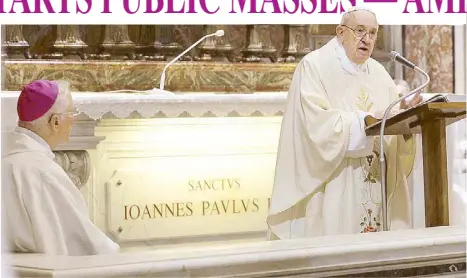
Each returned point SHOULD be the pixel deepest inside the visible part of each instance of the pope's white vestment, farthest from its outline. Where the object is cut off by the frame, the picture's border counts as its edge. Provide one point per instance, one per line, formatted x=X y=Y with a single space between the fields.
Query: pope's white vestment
x=44 y=211
x=327 y=179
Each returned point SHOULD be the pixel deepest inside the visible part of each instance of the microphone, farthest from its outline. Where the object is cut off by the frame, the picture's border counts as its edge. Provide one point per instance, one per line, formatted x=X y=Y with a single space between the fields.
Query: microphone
x=396 y=57
x=218 y=33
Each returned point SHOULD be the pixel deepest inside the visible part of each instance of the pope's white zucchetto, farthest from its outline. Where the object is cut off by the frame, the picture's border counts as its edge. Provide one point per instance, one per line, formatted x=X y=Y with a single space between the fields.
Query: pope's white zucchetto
x=356 y=9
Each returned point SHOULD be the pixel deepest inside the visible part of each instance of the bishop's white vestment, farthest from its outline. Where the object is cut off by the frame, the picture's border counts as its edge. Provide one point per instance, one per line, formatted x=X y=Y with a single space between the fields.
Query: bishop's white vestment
x=43 y=211
x=327 y=179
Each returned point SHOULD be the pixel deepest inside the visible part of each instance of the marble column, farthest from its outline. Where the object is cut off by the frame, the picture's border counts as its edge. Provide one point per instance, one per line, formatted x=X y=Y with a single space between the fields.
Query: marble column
x=431 y=48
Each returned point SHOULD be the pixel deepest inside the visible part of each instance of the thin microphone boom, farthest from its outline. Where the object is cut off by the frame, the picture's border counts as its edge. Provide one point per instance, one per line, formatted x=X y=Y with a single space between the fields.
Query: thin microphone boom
x=218 y=33
x=396 y=57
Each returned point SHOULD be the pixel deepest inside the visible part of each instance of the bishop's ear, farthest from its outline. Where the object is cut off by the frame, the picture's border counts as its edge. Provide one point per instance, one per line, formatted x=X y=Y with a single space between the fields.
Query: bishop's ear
x=55 y=122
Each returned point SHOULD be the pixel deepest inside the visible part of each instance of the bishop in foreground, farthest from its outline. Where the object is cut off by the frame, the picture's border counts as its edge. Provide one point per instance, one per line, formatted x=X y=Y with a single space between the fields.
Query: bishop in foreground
x=327 y=179
x=43 y=211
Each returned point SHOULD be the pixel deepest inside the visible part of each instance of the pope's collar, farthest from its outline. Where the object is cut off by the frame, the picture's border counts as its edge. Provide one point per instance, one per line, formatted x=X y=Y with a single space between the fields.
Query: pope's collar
x=347 y=64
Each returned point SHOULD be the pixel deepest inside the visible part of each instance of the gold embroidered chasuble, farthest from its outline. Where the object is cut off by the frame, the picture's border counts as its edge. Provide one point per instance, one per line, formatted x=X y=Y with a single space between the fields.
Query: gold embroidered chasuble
x=319 y=188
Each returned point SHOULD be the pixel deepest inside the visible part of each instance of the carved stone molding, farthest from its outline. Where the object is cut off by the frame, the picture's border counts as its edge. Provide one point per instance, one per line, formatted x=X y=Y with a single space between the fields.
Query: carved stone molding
x=150 y=46
x=215 y=48
x=253 y=49
x=259 y=44
x=14 y=45
x=165 y=34
x=116 y=43
x=223 y=44
x=67 y=43
x=208 y=47
x=77 y=164
x=268 y=49
x=296 y=43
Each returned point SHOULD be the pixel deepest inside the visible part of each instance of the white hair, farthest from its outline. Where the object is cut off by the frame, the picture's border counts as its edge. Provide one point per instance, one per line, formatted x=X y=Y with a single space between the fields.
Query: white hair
x=349 y=12
x=60 y=106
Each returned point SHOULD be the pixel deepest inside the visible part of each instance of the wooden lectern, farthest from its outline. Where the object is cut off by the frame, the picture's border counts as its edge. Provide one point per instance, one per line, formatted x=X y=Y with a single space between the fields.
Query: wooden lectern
x=430 y=119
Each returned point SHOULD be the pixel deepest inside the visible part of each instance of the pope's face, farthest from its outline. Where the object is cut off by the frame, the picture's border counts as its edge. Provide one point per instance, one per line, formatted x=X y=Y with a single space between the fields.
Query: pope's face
x=358 y=36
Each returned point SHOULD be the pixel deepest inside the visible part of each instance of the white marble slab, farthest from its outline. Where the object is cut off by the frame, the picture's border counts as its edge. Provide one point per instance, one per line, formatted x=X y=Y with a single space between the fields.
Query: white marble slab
x=319 y=257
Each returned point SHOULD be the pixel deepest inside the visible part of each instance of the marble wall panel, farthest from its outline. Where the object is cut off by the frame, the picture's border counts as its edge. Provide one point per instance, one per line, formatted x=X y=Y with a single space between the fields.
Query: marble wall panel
x=431 y=48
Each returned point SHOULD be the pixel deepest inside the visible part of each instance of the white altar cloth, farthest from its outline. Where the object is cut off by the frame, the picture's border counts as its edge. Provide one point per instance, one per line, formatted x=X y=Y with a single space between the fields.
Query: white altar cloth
x=122 y=105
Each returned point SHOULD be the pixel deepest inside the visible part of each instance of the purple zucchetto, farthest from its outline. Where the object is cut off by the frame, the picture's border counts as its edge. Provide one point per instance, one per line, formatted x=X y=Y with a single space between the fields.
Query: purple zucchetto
x=36 y=99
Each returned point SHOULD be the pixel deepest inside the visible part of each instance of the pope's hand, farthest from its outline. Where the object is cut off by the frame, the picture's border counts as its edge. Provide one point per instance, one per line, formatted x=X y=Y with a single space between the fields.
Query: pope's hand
x=412 y=101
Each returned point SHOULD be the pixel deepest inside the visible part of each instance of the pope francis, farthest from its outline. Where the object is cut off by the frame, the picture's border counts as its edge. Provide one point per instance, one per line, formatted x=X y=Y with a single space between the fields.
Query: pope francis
x=43 y=211
x=327 y=179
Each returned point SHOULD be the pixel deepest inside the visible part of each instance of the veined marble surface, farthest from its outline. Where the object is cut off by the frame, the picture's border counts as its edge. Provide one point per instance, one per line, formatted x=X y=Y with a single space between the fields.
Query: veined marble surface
x=431 y=48
x=315 y=257
x=101 y=76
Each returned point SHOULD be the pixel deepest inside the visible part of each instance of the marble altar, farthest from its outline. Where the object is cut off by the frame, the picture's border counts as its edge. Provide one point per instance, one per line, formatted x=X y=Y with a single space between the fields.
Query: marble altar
x=158 y=168
x=438 y=251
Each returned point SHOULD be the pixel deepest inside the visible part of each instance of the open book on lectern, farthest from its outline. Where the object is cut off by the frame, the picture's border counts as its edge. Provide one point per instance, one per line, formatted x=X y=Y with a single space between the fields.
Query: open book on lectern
x=426 y=98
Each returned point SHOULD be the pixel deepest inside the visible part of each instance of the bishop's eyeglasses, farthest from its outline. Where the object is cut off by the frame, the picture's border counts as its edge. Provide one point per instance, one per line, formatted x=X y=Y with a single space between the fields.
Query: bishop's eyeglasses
x=73 y=114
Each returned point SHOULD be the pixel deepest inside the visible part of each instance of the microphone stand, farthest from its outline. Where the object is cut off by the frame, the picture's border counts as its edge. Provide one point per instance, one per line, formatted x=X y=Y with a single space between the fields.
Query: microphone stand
x=382 y=156
x=218 y=33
